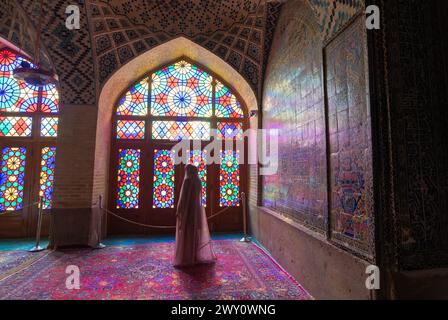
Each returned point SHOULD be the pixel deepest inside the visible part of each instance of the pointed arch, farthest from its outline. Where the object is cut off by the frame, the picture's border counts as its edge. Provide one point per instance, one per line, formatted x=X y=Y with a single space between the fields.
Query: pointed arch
x=136 y=69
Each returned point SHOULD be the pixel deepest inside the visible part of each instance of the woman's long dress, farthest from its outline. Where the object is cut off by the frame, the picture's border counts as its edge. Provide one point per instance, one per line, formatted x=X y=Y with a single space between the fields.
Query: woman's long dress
x=193 y=243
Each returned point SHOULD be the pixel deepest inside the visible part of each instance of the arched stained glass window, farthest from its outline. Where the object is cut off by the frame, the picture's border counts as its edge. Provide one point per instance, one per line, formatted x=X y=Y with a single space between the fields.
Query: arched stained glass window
x=135 y=101
x=227 y=104
x=181 y=90
x=179 y=102
x=28 y=129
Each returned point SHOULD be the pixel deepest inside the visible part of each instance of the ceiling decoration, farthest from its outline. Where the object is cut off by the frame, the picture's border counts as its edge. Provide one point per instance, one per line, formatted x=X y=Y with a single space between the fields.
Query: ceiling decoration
x=115 y=31
x=238 y=31
x=190 y=18
x=17 y=29
x=70 y=51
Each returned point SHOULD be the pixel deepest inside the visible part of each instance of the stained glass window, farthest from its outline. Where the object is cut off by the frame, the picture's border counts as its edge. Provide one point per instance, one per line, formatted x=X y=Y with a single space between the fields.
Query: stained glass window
x=47 y=165
x=9 y=61
x=180 y=130
x=181 y=90
x=50 y=99
x=12 y=178
x=135 y=101
x=199 y=159
x=49 y=127
x=229 y=179
x=134 y=130
x=15 y=96
x=181 y=102
x=230 y=130
x=227 y=104
x=128 y=179
x=163 y=185
x=16 y=126
x=19 y=97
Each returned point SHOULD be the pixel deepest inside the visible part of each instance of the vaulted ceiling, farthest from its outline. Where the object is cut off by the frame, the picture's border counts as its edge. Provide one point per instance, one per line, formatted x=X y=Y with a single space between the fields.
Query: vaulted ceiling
x=115 y=31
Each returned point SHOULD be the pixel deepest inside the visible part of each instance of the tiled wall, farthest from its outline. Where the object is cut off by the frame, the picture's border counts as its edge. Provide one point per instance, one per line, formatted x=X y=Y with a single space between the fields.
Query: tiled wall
x=294 y=104
x=350 y=140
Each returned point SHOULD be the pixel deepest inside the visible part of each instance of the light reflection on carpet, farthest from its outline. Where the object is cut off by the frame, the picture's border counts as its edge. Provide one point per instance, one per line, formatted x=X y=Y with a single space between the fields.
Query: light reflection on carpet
x=145 y=271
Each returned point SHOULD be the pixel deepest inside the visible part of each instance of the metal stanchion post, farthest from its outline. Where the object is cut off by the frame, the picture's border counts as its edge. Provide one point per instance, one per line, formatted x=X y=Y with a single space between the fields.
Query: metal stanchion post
x=246 y=237
x=100 y=207
x=37 y=247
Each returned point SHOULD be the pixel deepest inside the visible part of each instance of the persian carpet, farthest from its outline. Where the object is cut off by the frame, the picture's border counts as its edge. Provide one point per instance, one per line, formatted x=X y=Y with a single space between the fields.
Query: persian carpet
x=13 y=261
x=144 y=271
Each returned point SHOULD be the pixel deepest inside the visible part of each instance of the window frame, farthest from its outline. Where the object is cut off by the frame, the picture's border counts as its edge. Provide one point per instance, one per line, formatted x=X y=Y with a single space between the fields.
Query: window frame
x=147 y=145
x=34 y=145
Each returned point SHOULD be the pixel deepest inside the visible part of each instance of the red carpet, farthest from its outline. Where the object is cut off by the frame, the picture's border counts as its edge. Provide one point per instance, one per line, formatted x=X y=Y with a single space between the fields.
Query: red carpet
x=243 y=272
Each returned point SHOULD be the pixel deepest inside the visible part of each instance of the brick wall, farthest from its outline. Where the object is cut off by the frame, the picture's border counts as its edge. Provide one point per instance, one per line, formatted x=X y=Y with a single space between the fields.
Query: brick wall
x=75 y=156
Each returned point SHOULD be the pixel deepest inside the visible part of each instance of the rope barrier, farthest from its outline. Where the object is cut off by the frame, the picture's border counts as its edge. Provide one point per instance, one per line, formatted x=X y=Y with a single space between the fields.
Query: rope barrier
x=153 y=226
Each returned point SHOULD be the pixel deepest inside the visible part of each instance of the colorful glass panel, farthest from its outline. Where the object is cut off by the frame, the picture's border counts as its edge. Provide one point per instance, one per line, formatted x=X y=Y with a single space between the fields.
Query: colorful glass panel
x=128 y=179
x=16 y=126
x=9 y=61
x=47 y=166
x=134 y=130
x=12 y=178
x=181 y=90
x=229 y=179
x=230 y=131
x=17 y=96
x=180 y=130
x=49 y=127
x=50 y=99
x=135 y=101
x=199 y=159
x=227 y=104
x=163 y=184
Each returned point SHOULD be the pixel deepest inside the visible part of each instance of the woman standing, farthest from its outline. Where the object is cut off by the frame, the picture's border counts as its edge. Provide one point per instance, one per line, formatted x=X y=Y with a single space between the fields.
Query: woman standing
x=193 y=243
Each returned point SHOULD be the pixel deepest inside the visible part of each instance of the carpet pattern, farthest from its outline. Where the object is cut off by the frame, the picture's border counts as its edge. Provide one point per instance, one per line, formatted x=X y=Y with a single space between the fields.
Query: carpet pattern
x=14 y=261
x=144 y=271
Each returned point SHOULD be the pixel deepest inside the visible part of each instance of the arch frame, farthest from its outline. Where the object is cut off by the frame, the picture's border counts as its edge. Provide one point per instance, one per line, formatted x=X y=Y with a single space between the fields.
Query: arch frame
x=142 y=67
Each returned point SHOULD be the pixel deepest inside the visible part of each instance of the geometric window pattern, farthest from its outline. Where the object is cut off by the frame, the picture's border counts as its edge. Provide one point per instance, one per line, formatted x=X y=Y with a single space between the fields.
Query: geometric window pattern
x=181 y=90
x=49 y=127
x=229 y=179
x=128 y=129
x=47 y=166
x=17 y=97
x=135 y=101
x=16 y=126
x=180 y=130
x=50 y=99
x=163 y=185
x=227 y=105
x=128 y=179
x=230 y=131
x=178 y=103
x=198 y=159
x=12 y=178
